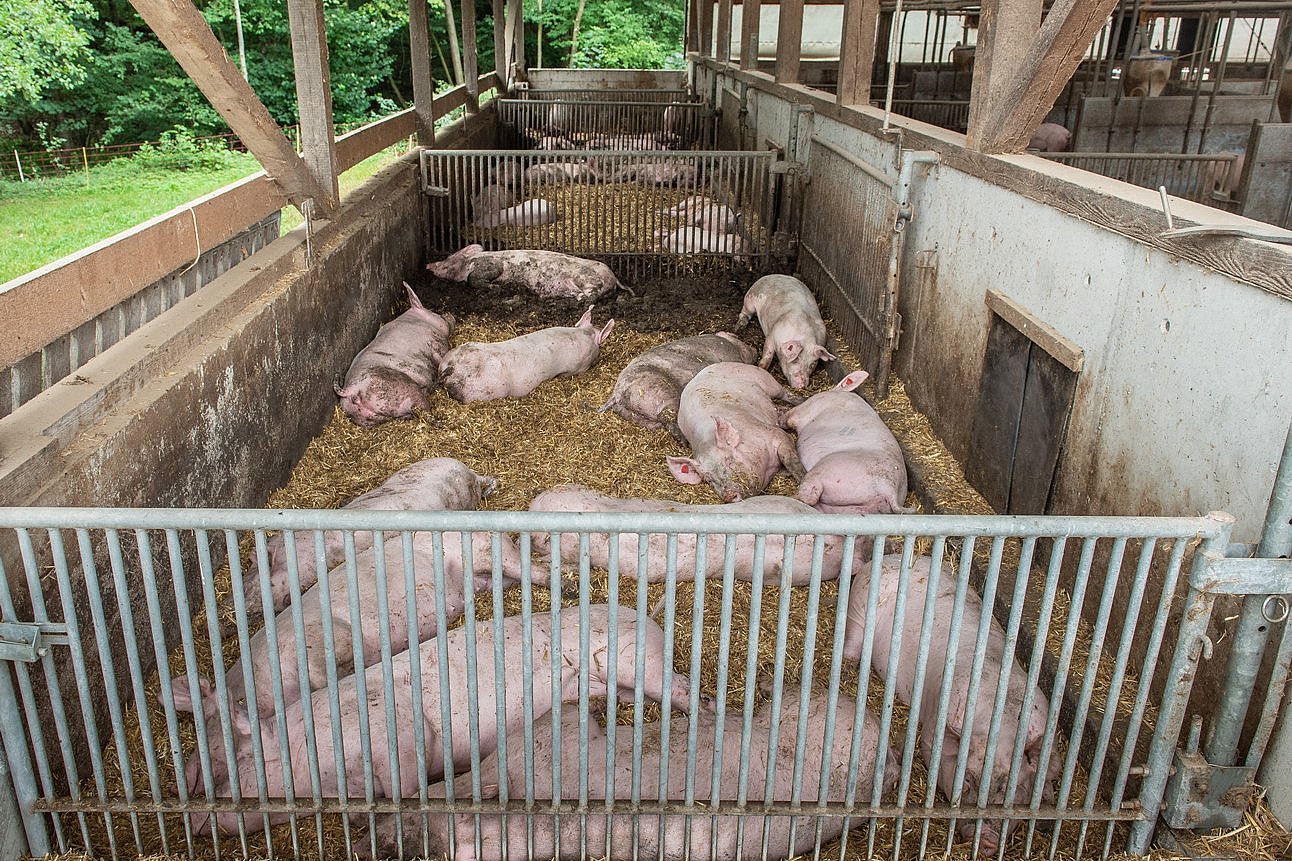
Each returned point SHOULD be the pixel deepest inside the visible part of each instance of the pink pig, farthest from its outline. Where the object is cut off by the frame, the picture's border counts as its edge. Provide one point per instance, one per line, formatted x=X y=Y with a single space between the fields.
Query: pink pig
x=513 y=368
x=529 y=213
x=959 y=708
x=792 y=326
x=726 y=414
x=390 y=377
x=696 y=240
x=854 y=463
x=547 y=274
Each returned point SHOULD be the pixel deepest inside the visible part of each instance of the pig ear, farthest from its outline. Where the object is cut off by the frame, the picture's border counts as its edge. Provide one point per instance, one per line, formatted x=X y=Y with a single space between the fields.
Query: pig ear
x=727 y=433
x=471 y=250
x=824 y=354
x=605 y=332
x=487 y=484
x=852 y=381
x=792 y=348
x=684 y=469
x=586 y=319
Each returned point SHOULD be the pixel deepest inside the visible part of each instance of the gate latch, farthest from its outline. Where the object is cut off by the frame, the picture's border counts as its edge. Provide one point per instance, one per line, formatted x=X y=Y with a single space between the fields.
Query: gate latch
x=28 y=643
x=1202 y=795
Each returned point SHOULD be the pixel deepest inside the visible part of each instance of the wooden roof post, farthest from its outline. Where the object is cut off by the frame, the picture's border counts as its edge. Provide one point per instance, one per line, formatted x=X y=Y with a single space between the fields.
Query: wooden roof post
x=751 y=13
x=419 y=49
x=500 y=44
x=470 y=56
x=789 y=41
x=314 y=94
x=857 y=51
x=706 y=28
x=185 y=33
x=516 y=26
x=1006 y=29
x=722 y=41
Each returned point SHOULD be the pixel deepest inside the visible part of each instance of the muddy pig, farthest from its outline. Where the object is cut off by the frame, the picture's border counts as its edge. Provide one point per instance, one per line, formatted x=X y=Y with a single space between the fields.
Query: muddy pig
x=528 y=213
x=1050 y=137
x=476 y=371
x=560 y=171
x=434 y=484
x=959 y=710
x=792 y=326
x=577 y=497
x=727 y=415
x=657 y=173
x=854 y=464
x=401 y=736
x=452 y=596
x=648 y=389
x=390 y=377
x=547 y=274
x=678 y=836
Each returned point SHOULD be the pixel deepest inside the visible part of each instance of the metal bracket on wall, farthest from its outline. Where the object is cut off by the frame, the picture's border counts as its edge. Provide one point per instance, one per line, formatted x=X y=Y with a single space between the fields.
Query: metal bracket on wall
x=27 y=643
x=1202 y=795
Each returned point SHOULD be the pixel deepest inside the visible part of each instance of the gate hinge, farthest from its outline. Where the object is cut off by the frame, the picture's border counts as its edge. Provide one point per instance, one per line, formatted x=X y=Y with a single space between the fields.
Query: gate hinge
x=1225 y=576
x=1202 y=795
x=28 y=643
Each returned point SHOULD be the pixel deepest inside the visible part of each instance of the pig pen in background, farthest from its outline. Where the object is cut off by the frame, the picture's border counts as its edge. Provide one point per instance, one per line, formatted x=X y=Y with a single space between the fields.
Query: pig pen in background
x=742 y=645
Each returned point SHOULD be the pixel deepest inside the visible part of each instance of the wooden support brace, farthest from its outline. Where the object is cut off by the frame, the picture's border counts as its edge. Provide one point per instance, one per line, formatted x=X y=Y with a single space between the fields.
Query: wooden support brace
x=722 y=41
x=314 y=94
x=185 y=33
x=419 y=49
x=1027 y=96
x=857 y=51
x=750 y=17
x=1005 y=32
x=470 y=55
x=789 y=41
x=500 y=43
x=706 y=27
x=516 y=27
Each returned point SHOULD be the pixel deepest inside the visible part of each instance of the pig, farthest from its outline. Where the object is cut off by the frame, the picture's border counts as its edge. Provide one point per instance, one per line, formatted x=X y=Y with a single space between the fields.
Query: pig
x=491 y=199
x=624 y=143
x=551 y=142
x=513 y=368
x=657 y=173
x=401 y=736
x=1031 y=725
x=434 y=484
x=648 y=389
x=854 y=463
x=529 y=213
x=727 y=415
x=390 y=377
x=336 y=604
x=548 y=274
x=672 y=837
x=577 y=497
x=1050 y=137
x=560 y=171
x=696 y=240
x=508 y=173
x=704 y=212
x=792 y=326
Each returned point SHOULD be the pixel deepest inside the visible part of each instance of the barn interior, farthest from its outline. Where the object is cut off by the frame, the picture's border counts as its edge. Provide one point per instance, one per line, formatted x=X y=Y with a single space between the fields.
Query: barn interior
x=1037 y=327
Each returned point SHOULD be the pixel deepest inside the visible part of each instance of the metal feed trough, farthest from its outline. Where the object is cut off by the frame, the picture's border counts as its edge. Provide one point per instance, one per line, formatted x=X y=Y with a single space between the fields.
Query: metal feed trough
x=531 y=123
x=613 y=206
x=102 y=758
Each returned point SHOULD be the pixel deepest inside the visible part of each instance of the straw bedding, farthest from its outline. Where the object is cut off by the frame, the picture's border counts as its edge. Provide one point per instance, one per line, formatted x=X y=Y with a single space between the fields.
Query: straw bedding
x=555 y=435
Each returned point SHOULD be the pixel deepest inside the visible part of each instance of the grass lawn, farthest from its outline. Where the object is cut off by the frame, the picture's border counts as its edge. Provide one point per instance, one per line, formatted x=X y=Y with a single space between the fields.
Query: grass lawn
x=46 y=219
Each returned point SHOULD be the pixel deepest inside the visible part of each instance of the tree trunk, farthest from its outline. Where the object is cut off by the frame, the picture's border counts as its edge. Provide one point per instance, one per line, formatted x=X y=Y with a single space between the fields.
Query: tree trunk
x=574 y=35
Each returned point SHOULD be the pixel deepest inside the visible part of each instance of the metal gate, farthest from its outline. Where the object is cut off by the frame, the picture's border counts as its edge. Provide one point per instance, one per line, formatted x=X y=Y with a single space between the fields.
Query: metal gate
x=761 y=676
x=858 y=276
x=628 y=209
x=1204 y=178
x=604 y=124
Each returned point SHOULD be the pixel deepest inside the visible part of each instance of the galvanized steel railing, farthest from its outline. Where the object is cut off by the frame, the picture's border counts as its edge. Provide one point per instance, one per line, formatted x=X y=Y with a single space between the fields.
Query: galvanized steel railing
x=102 y=756
x=1196 y=177
x=583 y=123
x=602 y=94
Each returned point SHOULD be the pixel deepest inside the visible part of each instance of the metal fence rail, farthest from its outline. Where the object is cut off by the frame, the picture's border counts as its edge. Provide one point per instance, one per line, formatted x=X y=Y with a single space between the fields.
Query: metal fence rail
x=604 y=124
x=761 y=676
x=1190 y=176
x=601 y=94
x=619 y=207
x=948 y=113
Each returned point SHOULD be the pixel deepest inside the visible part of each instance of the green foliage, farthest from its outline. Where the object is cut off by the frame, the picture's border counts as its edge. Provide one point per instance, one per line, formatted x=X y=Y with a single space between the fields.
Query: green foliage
x=613 y=34
x=178 y=149
x=42 y=44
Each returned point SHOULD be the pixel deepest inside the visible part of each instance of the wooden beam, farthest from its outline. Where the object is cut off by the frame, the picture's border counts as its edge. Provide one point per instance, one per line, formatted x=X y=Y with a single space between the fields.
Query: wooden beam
x=706 y=27
x=722 y=41
x=353 y=147
x=750 y=17
x=314 y=96
x=500 y=41
x=185 y=33
x=470 y=56
x=857 y=51
x=1055 y=53
x=1005 y=32
x=419 y=49
x=789 y=41
x=516 y=37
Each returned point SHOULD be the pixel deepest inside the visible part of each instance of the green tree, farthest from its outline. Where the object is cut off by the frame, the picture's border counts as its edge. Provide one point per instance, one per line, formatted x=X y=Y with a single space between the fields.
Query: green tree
x=617 y=34
x=42 y=44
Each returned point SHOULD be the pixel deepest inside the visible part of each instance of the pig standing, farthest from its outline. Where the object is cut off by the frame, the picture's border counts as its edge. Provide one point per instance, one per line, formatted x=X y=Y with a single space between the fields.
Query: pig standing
x=648 y=389
x=613 y=835
x=657 y=173
x=434 y=484
x=727 y=415
x=548 y=274
x=1050 y=137
x=513 y=368
x=792 y=326
x=696 y=240
x=854 y=464
x=390 y=377
x=560 y=171
x=492 y=691
x=529 y=213
x=491 y=199
x=941 y=651
x=395 y=621
x=577 y=497
x=704 y=212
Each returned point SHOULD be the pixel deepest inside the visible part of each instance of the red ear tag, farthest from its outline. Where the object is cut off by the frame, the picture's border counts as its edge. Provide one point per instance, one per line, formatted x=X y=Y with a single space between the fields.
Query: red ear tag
x=686 y=468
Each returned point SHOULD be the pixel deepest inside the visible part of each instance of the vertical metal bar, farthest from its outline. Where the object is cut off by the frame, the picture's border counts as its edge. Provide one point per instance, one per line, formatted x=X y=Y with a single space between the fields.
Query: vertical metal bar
x=360 y=677
x=612 y=689
x=413 y=617
x=778 y=681
x=697 y=627
x=499 y=668
x=446 y=700
x=388 y=684
x=751 y=676
x=724 y=653
x=527 y=671
x=554 y=679
x=1179 y=682
x=585 y=669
